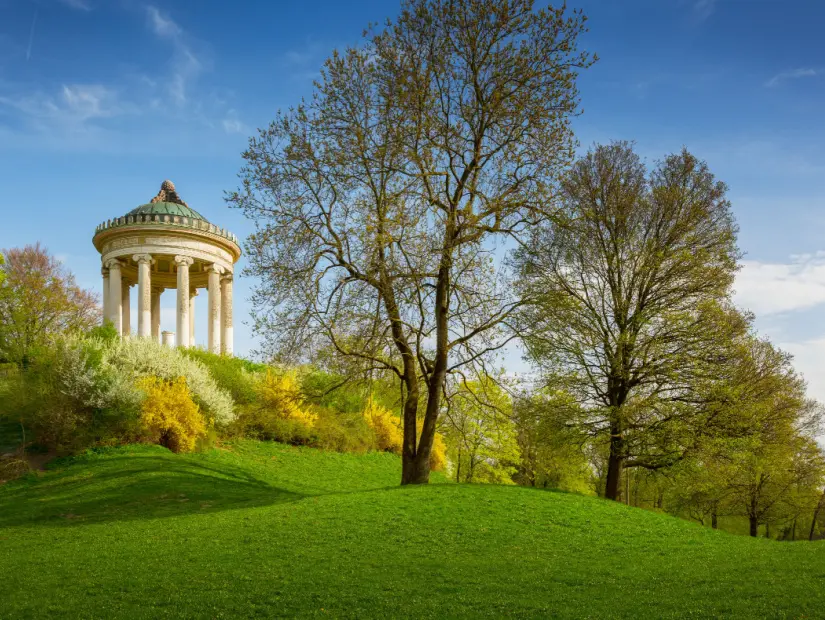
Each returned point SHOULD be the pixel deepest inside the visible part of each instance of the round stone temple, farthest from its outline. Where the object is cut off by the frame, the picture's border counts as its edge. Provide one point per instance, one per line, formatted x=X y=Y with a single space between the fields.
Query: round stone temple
x=165 y=244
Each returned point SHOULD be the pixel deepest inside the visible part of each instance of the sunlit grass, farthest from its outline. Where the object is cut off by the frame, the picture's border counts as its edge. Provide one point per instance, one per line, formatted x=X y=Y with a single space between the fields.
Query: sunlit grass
x=265 y=530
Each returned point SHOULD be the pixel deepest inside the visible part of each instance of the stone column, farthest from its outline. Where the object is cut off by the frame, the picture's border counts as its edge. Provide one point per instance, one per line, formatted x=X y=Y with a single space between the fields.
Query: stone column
x=214 y=307
x=226 y=315
x=144 y=309
x=168 y=339
x=105 y=273
x=156 y=293
x=115 y=295
x=182 y=323
x=126 y=308
x=192 y=294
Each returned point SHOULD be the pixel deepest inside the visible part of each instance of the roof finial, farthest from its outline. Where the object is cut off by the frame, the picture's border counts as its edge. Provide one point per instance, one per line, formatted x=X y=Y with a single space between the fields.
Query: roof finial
x=167 y=193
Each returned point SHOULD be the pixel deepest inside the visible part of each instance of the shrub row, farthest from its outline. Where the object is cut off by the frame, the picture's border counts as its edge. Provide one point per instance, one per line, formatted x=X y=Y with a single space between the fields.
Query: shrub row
x=97 y=390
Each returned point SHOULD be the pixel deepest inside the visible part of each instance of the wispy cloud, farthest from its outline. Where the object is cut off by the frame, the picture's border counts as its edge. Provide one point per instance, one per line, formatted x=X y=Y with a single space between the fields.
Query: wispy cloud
x=793 y=74
x=31 y=37
x=704 y=8
x=304 y=63
x=121 y=115
x=186 y=66
x=77 y=5
x=232 y=124
x=73 y=105
x=162 y=25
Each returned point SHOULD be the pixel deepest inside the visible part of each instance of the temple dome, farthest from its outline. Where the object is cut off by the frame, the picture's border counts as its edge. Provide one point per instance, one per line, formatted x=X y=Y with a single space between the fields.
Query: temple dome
x=167 y=208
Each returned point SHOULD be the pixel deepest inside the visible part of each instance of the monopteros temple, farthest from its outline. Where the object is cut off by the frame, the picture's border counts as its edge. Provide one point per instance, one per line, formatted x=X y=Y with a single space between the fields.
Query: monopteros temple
x=162 y=245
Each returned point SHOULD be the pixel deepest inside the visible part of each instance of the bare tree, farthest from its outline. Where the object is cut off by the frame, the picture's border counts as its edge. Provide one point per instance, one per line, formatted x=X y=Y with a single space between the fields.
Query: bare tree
x=378 y=202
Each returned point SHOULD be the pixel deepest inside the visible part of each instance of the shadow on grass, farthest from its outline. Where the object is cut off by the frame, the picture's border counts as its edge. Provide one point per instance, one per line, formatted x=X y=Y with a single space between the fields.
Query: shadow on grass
x=124 y=488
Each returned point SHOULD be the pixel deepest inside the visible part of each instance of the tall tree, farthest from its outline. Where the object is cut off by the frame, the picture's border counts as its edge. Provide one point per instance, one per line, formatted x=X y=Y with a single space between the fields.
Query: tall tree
x=632 y=283
x=39 y=297
x=378 y=202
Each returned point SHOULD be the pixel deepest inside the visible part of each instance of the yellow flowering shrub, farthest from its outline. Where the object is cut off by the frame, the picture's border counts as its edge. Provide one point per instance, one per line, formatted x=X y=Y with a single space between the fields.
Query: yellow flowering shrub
x=278 y=412
x=387 y=428
x=389 y=434
x=279 y=395
x=438 y=455
x=168 y=415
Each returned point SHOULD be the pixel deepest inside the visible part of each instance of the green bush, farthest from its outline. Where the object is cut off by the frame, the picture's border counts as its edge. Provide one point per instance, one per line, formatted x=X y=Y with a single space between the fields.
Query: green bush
x=69 y=397
x=233 y=374
x=343 y=432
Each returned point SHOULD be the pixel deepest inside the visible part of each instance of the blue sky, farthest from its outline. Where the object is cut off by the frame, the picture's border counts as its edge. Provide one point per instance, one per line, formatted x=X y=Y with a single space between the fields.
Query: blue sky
x=100 y=100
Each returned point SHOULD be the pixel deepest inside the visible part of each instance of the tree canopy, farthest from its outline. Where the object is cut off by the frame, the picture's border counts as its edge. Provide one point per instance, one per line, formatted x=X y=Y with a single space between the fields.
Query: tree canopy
x=39 y=298
x=378 y=202
x=631 y=283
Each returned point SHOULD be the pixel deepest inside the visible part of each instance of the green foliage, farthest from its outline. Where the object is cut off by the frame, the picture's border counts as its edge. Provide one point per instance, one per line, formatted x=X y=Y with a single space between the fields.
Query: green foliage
x=106 y=332
x=551 y=452
x=633 y=309
x=480 y=433
x=80 y=391
x=279 y=531
x=39 y=299
x=232 y=374
x=70 y=397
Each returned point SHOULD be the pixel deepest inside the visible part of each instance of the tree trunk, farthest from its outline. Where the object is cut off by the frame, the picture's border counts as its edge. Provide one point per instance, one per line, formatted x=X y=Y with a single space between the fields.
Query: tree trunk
x=754 y=526
x=419 y=471
x=819 y=505
x=458 y=467
x=714 y=520
x=614 y=463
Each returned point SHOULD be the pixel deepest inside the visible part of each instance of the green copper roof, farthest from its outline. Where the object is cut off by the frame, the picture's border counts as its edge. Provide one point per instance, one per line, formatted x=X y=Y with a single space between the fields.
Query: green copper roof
x=167 y=208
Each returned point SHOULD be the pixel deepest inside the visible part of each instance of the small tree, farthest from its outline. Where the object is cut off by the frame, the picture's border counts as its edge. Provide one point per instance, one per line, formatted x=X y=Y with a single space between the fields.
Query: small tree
x=39 y=298
x=379 y=201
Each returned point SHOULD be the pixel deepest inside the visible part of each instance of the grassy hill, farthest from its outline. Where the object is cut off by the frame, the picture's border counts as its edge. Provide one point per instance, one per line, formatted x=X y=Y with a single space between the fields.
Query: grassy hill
x=266 y=530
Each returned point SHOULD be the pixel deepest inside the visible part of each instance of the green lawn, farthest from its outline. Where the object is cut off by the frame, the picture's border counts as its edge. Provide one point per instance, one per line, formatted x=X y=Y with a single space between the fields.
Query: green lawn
x=265 y=530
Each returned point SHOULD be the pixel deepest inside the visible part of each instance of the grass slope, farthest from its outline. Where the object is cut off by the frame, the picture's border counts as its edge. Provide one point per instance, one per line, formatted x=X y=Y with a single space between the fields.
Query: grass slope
x=265 y=530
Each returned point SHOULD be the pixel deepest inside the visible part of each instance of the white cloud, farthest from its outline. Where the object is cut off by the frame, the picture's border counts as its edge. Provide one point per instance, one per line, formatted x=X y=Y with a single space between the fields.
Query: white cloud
x=793 y=74
x=775 y=288
x=808 y=358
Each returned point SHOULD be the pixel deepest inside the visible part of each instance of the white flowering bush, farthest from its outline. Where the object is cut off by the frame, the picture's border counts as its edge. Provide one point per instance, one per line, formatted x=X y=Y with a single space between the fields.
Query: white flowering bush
x=142 y=357
x=83 y=374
